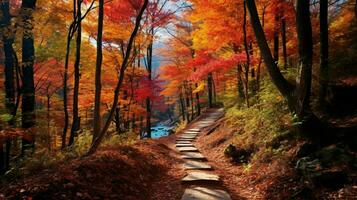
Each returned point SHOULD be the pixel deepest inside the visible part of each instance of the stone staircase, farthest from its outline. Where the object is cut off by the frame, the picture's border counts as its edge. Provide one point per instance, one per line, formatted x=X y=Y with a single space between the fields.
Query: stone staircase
x=199 y=172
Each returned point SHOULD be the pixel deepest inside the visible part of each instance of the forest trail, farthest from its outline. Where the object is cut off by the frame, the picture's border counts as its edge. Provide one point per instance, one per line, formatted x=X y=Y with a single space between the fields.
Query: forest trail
x=201 y=181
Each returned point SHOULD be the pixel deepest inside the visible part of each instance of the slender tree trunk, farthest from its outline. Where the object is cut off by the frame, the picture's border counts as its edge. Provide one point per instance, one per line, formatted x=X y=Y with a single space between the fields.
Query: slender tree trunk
x=247 y=65
x=276 y=36
x=192 y=106
x=187 y=103
x=10 y=63
x=198 y=105
x=149 y=70
x=261 y=57
x=75 y=119
x=304 y=30
x=2 y=157
x=123 y=67
x=117 y=119
x=214 y=91
x=70 y=34
x=98 y=71
x=9 y=52
x=283 y=41
x=28 y=58
x=210 y=90
x=182 y=105
x=48 y=118
x=240 y=86
x=284 y=87
x=323 y=52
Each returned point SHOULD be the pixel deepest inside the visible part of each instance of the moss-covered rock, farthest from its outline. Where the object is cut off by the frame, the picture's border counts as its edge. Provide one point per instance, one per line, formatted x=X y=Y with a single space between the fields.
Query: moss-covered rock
x=238 y=155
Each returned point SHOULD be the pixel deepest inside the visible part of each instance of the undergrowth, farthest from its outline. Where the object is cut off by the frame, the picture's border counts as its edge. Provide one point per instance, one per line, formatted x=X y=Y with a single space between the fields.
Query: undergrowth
x=260 y=125
x=45 y=158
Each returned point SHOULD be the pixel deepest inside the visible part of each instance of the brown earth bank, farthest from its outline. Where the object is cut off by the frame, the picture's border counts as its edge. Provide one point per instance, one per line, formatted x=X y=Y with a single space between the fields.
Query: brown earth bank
x=146 y=170
x=267 y=176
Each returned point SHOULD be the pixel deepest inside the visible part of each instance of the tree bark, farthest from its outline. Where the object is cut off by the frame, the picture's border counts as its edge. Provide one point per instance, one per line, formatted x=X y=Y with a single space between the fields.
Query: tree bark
x=210 y=90
x=70 y=34
x=247 y=65
x=182 y=105
x=276 y=36
x=8 y=39
x=28 y=58
x=75 y=119
x=10 y=64
x=149 y=71
x=283 y=41
x=304 y=31
x=98 y=71
x=323 y=52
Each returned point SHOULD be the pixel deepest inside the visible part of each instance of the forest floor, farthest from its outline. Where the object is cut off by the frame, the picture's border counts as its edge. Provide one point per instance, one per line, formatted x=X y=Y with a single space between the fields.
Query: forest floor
x=152 y=170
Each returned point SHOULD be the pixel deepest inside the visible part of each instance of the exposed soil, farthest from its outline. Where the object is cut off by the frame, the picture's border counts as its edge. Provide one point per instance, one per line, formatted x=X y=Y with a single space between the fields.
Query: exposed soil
x=146 y=170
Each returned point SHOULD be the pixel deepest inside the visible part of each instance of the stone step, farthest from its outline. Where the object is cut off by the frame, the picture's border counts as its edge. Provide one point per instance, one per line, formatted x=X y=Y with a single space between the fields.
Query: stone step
x=183 y=142
x=201 y=193
x=187 y=149
x=200 y=177
x=193 y=156
x=185 y=139
x=196 y=165
x=191 y=132
x=194 y=129
x=184 y=145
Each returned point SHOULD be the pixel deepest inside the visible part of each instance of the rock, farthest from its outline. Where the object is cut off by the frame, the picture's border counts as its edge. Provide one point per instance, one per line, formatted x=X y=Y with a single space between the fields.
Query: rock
x=201 y=193
x=330 y=179
x=183 y=142
x=237 y=155
x=306 y=149
x=193 y=155
x=311 y=170
x=333 y=155
x=187 y=149
x=190 y=164
x=184 y=145
x=200 y=176
x=194 y=129
x=304 y=193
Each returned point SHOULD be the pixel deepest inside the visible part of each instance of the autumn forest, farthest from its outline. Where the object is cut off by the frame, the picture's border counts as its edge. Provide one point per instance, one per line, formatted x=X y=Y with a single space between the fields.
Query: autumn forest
x=178 y=99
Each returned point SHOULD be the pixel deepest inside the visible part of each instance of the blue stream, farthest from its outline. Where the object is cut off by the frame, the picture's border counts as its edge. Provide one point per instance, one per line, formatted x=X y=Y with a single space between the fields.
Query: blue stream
x=160 y=130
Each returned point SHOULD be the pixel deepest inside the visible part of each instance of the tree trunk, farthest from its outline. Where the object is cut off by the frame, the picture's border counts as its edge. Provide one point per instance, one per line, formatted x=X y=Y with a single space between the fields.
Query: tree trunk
x=192 y=106
x=210 y=90
x=117 y=119
x=70 y=35
x=182 y=105
x=284 y=87
x=198 y=105
x=247 y=65
x=276 y=36
x=98 y=71
x=149 y=70
x=283 y=41
x=323 y=52
x=75 y=119
x=304 y=31
x=28 y=58
x=9 y=52
x=10 y=63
